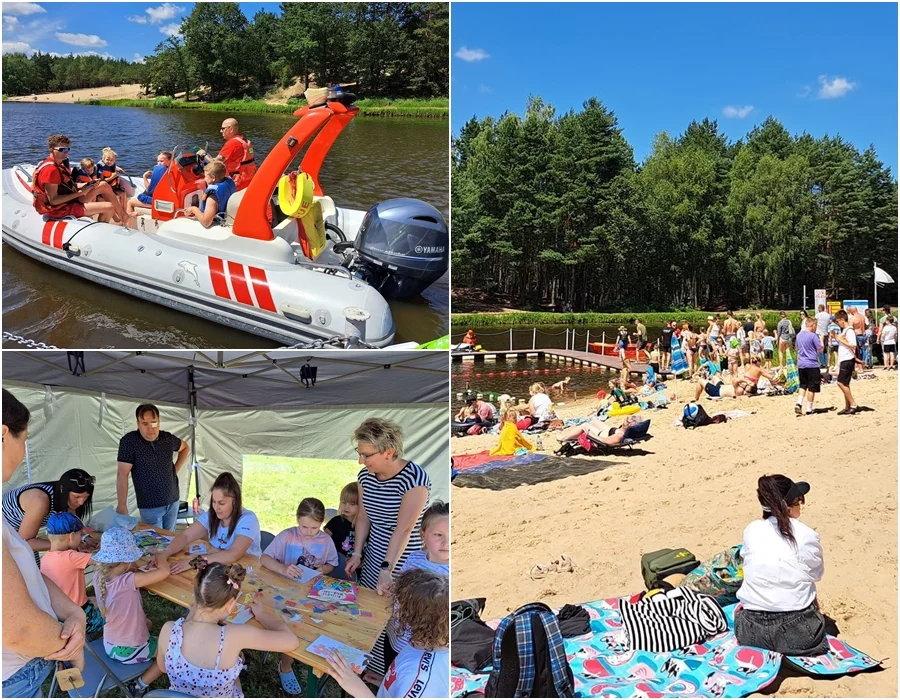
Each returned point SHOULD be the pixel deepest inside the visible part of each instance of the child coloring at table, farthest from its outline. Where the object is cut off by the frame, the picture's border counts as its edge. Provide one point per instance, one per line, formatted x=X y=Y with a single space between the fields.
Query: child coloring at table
x=117 y=583
x=434 y=556
x=304 y=545
x=65 y=565
x=422 y=669
x=201 y=655
x=342 y=528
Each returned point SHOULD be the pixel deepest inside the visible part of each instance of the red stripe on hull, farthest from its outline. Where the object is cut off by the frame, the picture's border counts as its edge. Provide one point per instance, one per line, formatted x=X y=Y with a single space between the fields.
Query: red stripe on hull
x=261 y=288
x=239 y=283
x=217 y=274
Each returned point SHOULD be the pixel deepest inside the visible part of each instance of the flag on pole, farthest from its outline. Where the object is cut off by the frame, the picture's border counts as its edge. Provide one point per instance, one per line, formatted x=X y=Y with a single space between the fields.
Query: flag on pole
x=882 y=277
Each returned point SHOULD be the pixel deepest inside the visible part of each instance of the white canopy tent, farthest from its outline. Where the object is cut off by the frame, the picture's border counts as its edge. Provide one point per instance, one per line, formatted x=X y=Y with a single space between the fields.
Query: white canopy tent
x=225 y=405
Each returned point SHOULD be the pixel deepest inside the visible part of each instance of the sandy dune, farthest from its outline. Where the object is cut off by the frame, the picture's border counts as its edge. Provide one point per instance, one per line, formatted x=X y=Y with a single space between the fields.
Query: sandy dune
x=696 y=489
x=112 y=92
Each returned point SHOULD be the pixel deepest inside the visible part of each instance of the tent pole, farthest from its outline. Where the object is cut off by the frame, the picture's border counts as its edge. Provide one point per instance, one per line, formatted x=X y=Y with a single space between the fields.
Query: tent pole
x=192 y=390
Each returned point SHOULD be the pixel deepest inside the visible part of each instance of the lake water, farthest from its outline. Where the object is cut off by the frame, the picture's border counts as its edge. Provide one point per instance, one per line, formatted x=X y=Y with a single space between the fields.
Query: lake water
x=374 y=159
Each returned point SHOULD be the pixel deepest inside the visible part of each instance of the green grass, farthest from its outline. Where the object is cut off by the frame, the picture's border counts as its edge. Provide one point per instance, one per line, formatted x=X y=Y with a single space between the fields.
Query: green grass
x=435 y=108
x=273 y=486
x=539 y=318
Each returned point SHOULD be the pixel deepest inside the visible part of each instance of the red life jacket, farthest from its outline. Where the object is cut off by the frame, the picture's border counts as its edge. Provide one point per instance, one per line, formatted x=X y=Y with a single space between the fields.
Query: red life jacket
x=41 y=201
x=247 y=168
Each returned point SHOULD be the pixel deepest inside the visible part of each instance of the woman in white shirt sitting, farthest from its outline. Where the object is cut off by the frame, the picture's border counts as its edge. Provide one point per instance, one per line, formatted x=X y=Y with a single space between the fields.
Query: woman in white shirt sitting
x=782 y=562
x=538 y=409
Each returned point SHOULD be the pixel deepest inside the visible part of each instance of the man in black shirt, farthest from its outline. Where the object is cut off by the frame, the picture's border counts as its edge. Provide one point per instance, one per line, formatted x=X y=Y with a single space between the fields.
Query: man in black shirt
x=665 y=345
x=146 y=454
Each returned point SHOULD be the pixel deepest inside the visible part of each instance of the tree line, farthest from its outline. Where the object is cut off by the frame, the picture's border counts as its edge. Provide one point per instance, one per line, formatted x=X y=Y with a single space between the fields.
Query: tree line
x=43 y=72
x=390 y=49
x=553 y=210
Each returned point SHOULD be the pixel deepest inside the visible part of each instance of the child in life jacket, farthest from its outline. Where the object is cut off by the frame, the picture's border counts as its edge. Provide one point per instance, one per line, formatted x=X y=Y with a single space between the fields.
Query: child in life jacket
x=219 y=188
x=152 y=178
x=109 y=171
x=85 y=171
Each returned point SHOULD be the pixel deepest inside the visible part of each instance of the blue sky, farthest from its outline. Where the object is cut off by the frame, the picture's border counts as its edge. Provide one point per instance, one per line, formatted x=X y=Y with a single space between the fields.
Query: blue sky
x=822 y=68
x=128 y=30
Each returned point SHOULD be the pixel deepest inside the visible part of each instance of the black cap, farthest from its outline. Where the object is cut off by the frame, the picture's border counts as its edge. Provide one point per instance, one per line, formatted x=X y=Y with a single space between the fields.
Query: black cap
x=796 y=490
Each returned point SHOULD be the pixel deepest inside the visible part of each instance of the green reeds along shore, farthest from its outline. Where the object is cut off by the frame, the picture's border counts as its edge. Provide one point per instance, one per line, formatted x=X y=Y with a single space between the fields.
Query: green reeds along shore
x=432 y=108
x=655 y=318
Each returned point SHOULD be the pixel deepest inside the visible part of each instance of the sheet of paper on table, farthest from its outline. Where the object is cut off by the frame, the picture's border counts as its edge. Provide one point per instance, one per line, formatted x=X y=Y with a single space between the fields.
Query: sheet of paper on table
x=150 y=539
x=355 y=657
x=197 y=548
x=307 y=574
x=240 y=616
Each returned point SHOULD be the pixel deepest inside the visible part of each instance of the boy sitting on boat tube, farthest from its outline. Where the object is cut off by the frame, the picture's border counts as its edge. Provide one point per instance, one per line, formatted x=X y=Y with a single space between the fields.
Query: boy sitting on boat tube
x=219 y=189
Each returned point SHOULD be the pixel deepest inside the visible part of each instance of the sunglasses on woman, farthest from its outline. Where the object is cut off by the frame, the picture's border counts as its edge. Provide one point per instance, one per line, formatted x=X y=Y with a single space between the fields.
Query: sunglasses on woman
x=81 y=481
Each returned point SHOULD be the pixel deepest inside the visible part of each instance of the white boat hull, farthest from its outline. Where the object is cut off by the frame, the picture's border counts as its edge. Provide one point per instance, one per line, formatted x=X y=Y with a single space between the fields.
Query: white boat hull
x=262 y=287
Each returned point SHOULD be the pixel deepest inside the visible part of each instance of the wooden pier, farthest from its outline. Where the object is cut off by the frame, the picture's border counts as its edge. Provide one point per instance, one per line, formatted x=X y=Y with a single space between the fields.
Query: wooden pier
x=568 y=357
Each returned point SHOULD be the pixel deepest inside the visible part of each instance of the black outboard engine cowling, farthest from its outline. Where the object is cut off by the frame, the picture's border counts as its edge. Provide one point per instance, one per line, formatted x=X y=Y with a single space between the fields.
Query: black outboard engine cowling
x=402 y=247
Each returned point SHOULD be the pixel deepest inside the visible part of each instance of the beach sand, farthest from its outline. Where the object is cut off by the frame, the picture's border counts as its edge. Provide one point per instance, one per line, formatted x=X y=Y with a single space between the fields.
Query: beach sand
x=112 y=92
x=696 y=489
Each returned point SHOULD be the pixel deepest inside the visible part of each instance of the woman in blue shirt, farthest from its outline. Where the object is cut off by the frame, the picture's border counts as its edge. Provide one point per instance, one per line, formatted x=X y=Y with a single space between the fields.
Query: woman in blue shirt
x=232 y=530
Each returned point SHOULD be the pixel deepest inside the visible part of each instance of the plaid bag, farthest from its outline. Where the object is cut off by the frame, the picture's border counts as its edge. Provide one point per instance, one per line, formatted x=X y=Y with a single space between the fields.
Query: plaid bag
x=719 y=577
x=529 y=659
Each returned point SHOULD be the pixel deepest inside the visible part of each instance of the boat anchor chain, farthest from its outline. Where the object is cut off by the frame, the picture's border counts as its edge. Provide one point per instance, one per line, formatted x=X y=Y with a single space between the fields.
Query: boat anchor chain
x=344 y=342
x=28 y=342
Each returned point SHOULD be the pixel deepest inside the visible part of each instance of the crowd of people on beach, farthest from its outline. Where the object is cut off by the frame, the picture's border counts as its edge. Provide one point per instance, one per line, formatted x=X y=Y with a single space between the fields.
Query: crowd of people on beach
x=384 y=536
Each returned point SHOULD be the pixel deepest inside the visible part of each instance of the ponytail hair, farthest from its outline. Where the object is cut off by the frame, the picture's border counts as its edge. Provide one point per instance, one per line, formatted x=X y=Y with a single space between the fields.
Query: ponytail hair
x=771 y=491
x=216 y=584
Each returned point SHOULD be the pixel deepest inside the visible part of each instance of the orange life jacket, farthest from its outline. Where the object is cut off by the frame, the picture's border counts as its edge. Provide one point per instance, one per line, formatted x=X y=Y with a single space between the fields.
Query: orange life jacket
x=41 y=200
x=247 y=168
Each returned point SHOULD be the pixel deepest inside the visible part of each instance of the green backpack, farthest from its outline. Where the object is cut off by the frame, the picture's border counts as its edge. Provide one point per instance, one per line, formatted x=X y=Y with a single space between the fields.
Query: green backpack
x=656 y=566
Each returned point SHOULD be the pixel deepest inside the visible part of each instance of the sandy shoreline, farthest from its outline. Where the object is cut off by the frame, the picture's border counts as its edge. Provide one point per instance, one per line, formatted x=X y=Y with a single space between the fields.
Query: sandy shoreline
x=112 y=92
x=696 y=489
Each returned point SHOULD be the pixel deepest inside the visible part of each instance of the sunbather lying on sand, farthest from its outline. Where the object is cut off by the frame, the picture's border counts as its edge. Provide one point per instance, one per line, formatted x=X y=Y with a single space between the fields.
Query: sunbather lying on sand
x=600 y=431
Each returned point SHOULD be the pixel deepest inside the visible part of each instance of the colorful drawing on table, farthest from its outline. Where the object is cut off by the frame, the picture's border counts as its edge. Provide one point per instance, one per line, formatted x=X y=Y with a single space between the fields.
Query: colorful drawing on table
x=240 y=616
x=197 y=548
x=149 y=566
x=366 y=613
x=279 y=598
x=290 y=615
x=291 y=603
x=355 y=657
x=151 y=540
x=248 y=598
x=306 y=574
x=333 y=590
x=317 y=620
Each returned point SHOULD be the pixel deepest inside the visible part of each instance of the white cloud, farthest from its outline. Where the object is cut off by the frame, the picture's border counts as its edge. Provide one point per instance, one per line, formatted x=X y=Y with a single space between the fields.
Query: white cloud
x=831 y=88
x=11 y=24
x=737 y=112
x=163 y=12
x=139 y=19
x=22 y=8
x=467 y=54
x=16 y=47
x=81 y=39
x=82 y=53
x=170 y=29
x=138 y=58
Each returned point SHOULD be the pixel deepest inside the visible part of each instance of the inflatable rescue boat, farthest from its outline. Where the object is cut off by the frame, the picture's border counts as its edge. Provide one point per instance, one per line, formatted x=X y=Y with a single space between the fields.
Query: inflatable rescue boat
x=284 y=262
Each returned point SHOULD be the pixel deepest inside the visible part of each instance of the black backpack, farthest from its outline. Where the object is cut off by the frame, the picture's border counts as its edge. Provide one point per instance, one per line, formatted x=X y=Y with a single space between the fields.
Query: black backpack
x=695 y=416
x=540 y=655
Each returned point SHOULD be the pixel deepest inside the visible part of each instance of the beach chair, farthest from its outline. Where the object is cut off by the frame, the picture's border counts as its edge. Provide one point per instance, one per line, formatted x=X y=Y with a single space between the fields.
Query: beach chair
x=634 y=435
x=265 y=539
x=101 y=673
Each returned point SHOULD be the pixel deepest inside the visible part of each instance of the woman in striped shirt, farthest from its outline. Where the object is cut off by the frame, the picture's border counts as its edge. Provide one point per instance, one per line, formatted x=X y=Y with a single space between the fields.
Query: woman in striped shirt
x=392 y=495
x=28 y=507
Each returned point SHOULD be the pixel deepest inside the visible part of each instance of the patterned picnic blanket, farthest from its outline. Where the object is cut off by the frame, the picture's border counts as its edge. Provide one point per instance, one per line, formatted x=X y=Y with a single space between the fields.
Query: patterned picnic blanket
x=481 y=462
x=604 y=667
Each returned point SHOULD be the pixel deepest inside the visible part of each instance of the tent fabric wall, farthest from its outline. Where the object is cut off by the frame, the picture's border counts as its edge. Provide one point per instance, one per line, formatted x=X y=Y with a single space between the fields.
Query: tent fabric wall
x=74 y=428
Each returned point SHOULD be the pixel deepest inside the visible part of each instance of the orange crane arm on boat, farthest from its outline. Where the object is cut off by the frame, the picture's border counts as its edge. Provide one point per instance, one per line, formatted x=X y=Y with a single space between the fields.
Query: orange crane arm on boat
x=323 y=122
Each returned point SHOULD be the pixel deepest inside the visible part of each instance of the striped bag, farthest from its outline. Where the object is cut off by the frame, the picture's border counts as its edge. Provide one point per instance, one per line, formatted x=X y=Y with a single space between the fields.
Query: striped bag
x=673 y=620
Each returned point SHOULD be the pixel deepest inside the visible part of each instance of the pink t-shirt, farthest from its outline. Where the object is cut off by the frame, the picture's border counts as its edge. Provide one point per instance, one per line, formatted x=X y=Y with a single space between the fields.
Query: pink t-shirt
x=290 y=547
x=125 y=620
x=66 y=570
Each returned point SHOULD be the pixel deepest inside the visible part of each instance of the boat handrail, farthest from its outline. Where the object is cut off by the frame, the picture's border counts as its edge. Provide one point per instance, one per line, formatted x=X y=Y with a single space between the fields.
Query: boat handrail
x=320 y=266
x=25 y=172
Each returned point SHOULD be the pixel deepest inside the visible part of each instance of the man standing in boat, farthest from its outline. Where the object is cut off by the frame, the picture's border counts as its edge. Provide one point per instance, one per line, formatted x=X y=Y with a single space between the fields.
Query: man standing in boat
x=57 y=195
x=237 y=154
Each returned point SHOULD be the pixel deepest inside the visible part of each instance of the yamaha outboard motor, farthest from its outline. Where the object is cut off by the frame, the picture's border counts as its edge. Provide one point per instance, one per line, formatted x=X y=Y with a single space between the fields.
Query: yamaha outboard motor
x=402 y=247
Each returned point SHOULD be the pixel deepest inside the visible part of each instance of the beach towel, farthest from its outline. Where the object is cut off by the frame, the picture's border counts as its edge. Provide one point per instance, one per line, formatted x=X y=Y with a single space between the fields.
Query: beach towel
x=510 y=441
x=603 y=665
